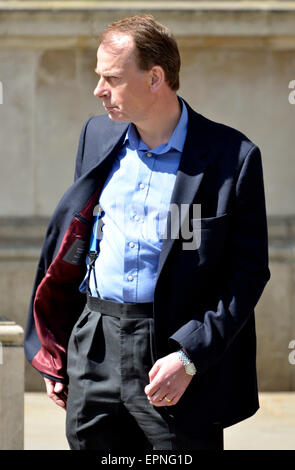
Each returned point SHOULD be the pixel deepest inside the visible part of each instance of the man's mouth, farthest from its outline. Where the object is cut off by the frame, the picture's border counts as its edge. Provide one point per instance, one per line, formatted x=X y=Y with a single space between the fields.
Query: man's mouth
x=109 y=108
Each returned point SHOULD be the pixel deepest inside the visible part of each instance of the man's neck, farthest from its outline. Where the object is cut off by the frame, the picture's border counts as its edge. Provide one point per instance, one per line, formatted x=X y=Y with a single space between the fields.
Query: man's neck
x=161 y=124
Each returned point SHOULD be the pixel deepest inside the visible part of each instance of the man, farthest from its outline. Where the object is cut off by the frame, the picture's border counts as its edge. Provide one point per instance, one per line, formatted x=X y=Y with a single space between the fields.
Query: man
x=163 y=355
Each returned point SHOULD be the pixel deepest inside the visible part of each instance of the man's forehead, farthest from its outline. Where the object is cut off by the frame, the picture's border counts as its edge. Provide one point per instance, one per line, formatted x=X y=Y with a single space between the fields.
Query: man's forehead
x=117 y=44
x=114 y=57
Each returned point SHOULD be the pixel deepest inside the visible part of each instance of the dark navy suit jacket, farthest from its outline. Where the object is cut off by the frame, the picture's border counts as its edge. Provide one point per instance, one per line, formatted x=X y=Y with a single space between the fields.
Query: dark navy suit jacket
x=204 y=298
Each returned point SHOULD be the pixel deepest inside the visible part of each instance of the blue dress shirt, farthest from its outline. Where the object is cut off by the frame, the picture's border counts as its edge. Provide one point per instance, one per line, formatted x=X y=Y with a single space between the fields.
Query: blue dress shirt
x=133 y=205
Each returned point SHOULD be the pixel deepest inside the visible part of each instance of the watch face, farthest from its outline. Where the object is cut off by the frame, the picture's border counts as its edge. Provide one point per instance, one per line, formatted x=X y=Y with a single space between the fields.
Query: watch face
x=190 y=369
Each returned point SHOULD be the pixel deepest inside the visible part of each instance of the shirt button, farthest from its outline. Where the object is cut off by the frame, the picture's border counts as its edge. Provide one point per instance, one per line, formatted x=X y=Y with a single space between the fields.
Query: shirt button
x=149 y=154
x=131 y=244
x=130 y=278
x=141 y=186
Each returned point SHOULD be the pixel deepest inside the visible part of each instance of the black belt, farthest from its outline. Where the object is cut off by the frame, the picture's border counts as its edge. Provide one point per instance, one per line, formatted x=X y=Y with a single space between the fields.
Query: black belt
x=120 y=309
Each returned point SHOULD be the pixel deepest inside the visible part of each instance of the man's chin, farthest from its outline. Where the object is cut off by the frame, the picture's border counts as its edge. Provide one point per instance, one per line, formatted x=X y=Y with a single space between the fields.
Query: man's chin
x=116 y=117
x=112 y=117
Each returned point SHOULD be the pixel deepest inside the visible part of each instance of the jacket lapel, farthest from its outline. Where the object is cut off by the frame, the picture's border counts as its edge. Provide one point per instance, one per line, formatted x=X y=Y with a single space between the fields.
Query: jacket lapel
x=104 y=155
x=193 y=163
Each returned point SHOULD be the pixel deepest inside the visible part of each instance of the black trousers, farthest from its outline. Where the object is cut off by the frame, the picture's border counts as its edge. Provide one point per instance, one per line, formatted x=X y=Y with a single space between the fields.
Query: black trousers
x=108 y=363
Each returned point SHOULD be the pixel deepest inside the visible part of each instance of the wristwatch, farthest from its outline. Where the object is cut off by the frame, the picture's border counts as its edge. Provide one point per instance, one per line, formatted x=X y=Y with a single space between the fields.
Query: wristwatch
x=187 y=362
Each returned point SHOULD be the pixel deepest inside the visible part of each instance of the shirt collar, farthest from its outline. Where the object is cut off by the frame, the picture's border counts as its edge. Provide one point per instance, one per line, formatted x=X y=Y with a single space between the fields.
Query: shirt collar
x=176 y=141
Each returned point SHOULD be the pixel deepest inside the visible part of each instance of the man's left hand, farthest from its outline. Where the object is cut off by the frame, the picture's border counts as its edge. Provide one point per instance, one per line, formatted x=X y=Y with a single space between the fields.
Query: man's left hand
x=168 y=381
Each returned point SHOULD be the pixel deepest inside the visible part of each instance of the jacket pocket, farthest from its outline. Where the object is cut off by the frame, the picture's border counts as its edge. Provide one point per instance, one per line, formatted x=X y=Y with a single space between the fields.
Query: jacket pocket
x=210 y=235
x=210 y=222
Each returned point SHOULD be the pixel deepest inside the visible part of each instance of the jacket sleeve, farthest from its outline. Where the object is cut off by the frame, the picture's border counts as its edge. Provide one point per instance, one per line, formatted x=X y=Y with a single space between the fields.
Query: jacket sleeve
x=239 y=291
x=32 y=342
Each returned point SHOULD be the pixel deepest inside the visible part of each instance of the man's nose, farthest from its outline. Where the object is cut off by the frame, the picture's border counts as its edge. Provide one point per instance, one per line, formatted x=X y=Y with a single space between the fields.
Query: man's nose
x=101 y=89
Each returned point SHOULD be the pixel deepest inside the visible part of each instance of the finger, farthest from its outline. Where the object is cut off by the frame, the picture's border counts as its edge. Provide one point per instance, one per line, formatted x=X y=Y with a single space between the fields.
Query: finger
x=153 y=388
x=49 y=387
x=62 y=397
x=60 y=402
x=158 y=395
x=55 y=391
x=162 y=398
x=167 y=399
x=172 y=401
x=154 y=400
x=154 y=370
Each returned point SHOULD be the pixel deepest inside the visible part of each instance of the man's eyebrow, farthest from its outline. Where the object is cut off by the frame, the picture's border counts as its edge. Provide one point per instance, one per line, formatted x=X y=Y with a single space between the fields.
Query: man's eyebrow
x=107 y=74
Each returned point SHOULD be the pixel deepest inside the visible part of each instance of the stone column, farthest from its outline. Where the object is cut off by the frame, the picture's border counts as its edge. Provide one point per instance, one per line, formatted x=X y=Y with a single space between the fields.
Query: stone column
x=11 y=386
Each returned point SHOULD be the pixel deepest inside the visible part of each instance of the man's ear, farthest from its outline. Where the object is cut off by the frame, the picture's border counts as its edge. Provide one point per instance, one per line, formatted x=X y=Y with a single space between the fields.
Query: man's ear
x=157 y=77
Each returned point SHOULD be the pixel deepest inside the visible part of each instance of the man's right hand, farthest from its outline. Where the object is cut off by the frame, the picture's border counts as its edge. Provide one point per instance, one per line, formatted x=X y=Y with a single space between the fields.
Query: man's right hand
x=57 y=391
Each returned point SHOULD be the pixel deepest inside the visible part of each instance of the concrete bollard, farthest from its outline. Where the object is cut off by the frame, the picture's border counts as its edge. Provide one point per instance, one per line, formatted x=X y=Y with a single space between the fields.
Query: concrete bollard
x=11 y=385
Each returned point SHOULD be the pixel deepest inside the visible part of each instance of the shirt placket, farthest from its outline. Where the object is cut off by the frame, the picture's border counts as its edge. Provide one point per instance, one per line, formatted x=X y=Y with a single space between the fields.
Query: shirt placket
x=135 y=226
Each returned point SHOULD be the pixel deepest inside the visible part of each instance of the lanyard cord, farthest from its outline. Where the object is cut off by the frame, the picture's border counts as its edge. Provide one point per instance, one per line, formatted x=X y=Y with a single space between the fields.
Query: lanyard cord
x=94 y=249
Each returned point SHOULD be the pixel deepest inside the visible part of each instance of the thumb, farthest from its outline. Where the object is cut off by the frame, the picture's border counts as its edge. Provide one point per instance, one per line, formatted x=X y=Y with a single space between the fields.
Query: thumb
x=58 y=387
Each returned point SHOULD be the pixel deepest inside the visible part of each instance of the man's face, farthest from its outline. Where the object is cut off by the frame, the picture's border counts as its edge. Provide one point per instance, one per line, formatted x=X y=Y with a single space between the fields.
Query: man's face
x=123 y=88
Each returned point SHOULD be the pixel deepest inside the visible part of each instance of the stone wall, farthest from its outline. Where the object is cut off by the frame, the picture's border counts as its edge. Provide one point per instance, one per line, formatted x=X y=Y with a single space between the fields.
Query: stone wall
x=237 y=63
x=11 y=385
